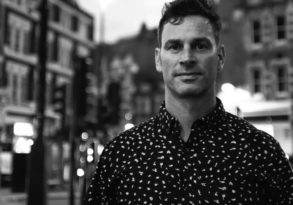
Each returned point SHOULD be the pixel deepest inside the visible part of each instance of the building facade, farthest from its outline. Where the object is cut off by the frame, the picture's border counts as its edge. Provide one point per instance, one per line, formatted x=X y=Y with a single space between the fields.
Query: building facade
x=268 y=40
x=70 y=36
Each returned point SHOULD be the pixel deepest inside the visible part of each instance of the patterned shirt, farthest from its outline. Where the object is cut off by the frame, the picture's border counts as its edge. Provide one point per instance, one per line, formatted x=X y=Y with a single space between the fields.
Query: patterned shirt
x=225 y=161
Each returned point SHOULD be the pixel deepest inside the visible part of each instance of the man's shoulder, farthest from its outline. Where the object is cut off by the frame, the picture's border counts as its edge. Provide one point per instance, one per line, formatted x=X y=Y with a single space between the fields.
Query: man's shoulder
x=140 y=129
x=134 y=135
x=238 y=123
x=249 y=132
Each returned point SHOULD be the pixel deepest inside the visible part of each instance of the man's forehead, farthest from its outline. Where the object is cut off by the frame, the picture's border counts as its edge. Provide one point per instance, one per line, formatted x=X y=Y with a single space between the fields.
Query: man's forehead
x=194 y=25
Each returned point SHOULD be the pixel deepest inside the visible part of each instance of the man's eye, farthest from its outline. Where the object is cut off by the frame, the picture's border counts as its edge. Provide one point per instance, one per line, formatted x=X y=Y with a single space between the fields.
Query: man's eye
x=202 y=46
x=175 y=46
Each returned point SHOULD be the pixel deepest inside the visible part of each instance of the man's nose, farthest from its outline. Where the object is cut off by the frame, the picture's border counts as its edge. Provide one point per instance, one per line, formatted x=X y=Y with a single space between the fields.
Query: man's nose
x=188 y=57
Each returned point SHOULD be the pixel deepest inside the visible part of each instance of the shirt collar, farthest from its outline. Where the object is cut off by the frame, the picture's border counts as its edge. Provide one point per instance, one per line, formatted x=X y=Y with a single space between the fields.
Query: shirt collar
x=168 y=122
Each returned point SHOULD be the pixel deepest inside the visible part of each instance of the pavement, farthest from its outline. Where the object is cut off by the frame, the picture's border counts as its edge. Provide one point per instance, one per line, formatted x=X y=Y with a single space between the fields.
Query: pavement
x=7 y=197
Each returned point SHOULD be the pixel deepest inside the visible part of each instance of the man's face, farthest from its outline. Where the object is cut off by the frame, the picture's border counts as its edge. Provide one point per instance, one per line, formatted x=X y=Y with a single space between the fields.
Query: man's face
x=189 y=58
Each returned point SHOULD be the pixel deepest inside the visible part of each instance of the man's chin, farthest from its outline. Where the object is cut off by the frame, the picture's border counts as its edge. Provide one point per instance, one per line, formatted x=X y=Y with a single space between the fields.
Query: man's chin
x=190 y=93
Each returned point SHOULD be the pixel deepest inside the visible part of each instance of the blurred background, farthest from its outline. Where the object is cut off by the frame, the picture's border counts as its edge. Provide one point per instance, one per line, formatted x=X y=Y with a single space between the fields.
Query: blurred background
x=99 y=78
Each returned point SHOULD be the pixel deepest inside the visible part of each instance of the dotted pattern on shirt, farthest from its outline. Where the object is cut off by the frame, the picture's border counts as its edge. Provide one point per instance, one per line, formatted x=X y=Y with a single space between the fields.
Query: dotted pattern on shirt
x=225 y=161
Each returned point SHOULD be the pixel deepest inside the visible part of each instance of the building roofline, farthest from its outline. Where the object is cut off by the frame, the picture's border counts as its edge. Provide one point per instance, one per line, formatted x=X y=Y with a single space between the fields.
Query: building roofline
x=75 y=5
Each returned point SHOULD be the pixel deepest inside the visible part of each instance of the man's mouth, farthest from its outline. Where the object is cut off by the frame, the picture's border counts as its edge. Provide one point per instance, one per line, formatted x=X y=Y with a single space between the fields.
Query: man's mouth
x=188 y=76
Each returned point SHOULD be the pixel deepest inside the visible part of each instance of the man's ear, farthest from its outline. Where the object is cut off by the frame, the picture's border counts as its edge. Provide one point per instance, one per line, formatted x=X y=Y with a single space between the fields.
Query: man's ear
x=158 y=60
x=222 y=56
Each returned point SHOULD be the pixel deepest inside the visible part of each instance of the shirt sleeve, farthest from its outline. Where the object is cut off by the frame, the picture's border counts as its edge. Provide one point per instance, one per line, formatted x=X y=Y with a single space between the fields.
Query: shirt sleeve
x=101 y=189
x=279 y=176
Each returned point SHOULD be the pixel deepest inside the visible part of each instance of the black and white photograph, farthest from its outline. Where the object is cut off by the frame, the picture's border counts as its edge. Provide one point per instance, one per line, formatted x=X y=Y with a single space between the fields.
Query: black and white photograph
x=146 y=102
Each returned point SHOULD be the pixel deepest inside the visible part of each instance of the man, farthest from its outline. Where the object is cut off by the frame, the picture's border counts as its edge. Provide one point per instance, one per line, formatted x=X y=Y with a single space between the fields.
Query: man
x=192 y=151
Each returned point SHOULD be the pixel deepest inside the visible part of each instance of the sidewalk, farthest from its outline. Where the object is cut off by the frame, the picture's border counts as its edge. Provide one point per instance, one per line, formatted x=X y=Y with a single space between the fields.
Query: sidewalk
x=6 y=196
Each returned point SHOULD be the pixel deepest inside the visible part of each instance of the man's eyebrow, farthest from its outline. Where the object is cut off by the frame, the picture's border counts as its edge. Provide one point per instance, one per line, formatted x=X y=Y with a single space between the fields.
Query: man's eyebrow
x=194 y=40
x=170 y=41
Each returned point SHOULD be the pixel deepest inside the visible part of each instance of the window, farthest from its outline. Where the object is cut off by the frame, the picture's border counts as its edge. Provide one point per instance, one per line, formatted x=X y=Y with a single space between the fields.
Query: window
x=17 y=39
x=56 y=13
x=281 y=27
x=282 y=79
x=54 y=49
x=32 y=40
x=74 y=23
x=27 y=42
x=24 y=90
x=14 y=89
x=90 y=32
x=72 y=55
x=256 y=80
x=3 y=75
x=256 y=27
x=30 y=84
x=7 y=35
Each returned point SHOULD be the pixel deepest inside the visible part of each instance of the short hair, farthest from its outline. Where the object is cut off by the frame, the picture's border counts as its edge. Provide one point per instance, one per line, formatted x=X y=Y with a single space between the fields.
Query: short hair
x=175 y=11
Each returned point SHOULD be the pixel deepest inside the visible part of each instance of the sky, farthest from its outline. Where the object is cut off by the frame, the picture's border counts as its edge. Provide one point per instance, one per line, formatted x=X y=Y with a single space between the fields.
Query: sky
x=123 y=18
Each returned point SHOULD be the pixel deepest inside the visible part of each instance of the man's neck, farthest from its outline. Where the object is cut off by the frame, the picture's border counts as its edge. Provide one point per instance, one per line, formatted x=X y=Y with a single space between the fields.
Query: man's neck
x=187 y=110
